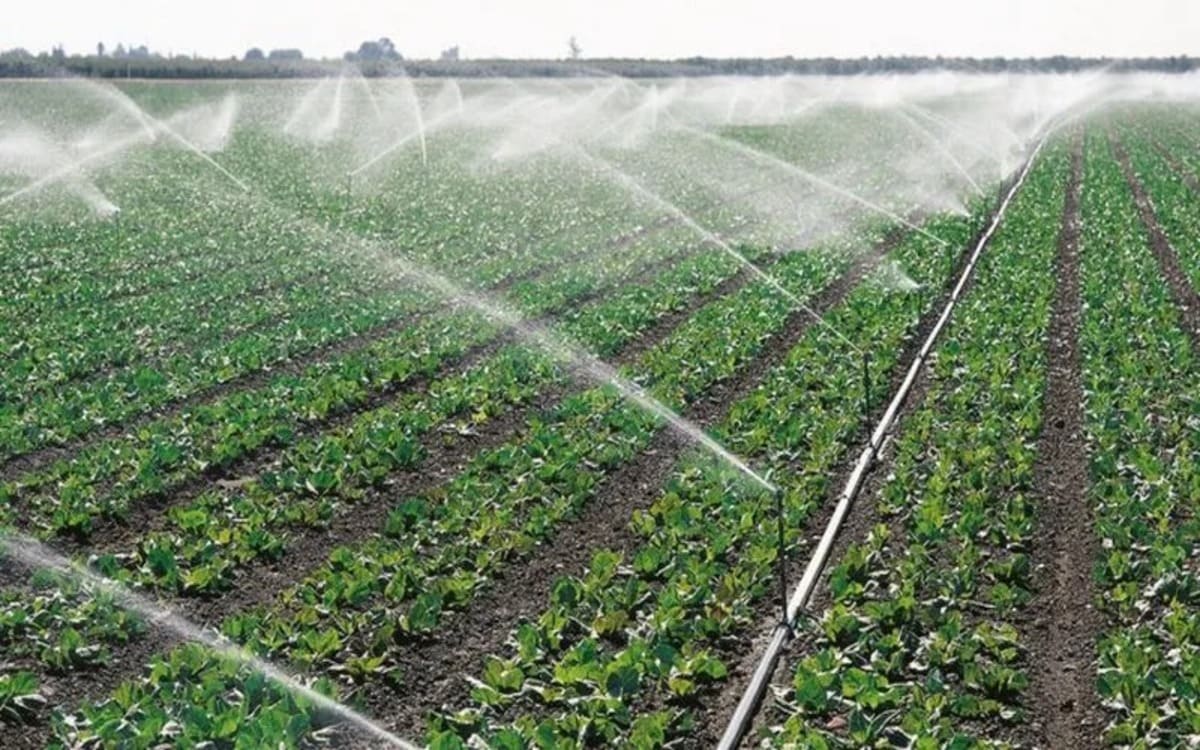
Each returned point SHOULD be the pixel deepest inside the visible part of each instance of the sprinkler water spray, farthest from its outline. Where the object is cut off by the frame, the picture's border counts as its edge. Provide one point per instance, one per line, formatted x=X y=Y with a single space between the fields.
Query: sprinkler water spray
x=33 y=554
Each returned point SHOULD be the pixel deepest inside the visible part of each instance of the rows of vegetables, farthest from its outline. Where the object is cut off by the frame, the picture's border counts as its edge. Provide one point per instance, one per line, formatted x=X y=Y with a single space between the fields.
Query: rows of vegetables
x=921 y=645
x=435 y=551
x=334 y=433
x=355 y=614
x=919 y=642
x=1143 y=408
x=203 y=542
x=210 y=483
x=103 y=478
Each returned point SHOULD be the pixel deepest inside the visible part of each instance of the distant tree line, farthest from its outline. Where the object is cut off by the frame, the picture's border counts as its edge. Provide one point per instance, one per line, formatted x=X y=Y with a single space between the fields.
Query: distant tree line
x=381 y=58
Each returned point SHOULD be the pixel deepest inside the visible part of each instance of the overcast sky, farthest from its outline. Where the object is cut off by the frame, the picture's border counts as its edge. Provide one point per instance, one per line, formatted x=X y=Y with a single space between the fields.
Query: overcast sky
x=618 y=28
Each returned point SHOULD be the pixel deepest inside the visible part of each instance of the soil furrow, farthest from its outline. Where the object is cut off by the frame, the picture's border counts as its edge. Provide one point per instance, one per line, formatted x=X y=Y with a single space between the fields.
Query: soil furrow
x=70 y=688
x=39 y=458
x=1061 y=624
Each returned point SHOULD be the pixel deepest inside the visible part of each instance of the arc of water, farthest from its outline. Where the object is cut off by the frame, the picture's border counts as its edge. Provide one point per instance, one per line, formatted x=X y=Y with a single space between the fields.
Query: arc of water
x=416 y=107
x=398 y=144
x=567 y=352
x=807 y=106
x=333 y=119
x=164 y=127
x=939 y=147
x=654 y=107
x=305 y=106
x=954 y=130
x=792 y=169
x=365 y=85
x=69 y=170
x=122 y=100
x=66 y=171
x=582 y=361
x=175 y=135
x=622 y=122
x=33 y=554
x=633 y=185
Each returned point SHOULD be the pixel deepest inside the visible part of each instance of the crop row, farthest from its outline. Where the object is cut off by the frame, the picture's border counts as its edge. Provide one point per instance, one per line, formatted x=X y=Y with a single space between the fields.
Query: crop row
x=919 y=645
x=1143 y=418
x=1174 y=202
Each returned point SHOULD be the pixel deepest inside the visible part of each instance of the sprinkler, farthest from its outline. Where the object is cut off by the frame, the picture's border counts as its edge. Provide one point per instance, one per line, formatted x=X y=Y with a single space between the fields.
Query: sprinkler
x=782 y=562
x=866 y=378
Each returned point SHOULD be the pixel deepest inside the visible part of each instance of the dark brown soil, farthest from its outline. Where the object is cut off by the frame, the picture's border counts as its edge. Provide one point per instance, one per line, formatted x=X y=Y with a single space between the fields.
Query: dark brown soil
x=1061 y=625
x=1168 y=260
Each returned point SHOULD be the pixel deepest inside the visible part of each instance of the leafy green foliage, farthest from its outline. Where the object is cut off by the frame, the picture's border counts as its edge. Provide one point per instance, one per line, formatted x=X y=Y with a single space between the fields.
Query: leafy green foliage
x=1142 y=406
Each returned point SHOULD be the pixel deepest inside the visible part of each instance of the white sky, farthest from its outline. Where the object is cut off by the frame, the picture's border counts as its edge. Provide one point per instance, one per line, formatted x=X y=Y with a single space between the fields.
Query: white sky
x=617 y=28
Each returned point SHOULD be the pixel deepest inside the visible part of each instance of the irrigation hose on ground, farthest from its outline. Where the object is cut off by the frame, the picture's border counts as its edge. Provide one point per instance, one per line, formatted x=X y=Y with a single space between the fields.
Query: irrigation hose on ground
x=744 y=714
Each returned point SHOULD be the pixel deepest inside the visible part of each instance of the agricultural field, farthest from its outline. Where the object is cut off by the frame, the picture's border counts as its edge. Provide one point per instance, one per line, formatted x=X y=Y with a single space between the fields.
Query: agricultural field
x=507 y=414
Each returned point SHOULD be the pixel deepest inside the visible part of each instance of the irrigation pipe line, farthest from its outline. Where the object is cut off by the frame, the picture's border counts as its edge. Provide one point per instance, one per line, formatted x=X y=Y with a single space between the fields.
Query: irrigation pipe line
x=803 y=592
